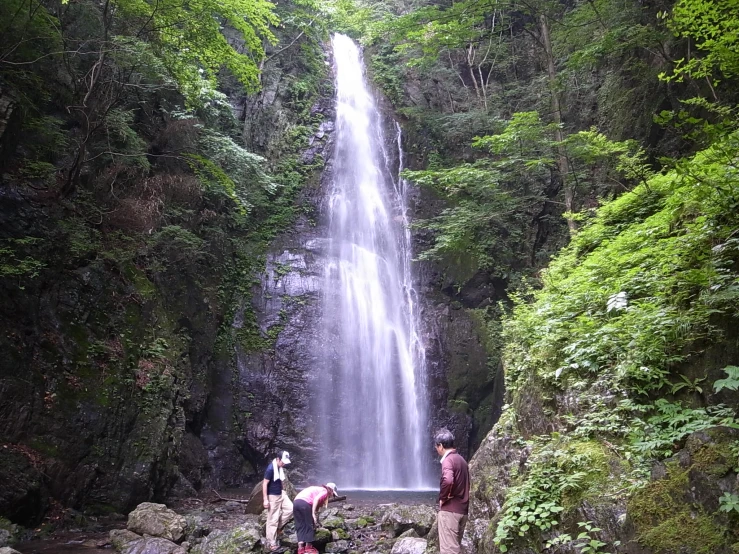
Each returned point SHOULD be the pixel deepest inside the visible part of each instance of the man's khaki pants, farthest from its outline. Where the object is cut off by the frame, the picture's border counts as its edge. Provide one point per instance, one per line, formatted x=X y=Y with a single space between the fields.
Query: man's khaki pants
x=280 y=512
x=451 y=528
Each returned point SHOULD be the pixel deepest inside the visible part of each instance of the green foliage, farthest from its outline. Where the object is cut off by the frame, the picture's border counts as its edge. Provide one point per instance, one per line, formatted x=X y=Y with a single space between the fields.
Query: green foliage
x=729 y=502
x=624 y=305
x=665 y=424
x=599 y=30
x=711 y=25
x=558 y=472
x=587 y=543
x=120 y=143
x=178 y=243
x=189 y=38
x=491 y=197
x=731 y=382
x=15 y=263
x=657 y=245
x=666 y=521
x=350 y=17
x=431 y=31
x=229 y=168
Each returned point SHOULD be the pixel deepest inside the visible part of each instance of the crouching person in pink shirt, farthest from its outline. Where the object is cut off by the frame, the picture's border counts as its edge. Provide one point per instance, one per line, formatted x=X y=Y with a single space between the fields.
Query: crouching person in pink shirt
x=305 y=511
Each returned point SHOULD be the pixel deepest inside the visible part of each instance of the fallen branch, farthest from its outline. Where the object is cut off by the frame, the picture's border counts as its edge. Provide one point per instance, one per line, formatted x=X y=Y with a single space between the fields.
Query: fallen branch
x=228 y=499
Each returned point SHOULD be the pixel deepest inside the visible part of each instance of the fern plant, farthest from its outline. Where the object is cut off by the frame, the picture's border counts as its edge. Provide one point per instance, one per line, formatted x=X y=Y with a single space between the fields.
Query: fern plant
x=732 y=380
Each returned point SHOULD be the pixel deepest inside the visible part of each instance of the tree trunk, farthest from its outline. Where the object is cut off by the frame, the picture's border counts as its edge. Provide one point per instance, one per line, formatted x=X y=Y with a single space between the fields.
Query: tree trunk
x=562 y=163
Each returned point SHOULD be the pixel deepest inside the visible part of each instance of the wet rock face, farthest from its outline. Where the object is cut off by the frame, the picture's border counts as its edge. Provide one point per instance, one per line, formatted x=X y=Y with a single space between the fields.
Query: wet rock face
x=279 y=382
x=263 y=407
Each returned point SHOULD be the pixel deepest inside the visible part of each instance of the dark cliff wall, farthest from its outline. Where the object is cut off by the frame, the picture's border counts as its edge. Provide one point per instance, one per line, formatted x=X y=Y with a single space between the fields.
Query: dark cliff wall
x=121 y=326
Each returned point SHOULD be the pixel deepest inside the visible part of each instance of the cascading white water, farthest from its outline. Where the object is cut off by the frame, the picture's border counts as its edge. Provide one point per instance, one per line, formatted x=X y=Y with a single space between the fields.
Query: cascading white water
x=371 y=401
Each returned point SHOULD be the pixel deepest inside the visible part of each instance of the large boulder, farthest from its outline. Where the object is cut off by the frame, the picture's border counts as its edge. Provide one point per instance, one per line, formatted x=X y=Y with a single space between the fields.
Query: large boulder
x=157 y=520
x=399 y=518
x=409 y=545
x=119 y=538
x=244 y=538
x=152 y=545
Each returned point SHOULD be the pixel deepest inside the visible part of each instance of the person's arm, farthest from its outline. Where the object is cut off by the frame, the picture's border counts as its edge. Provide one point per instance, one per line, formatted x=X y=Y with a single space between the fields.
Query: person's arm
x=264 y=493
x=447 y=482
x=268 y=476
x=317 y=504
x=315 y=514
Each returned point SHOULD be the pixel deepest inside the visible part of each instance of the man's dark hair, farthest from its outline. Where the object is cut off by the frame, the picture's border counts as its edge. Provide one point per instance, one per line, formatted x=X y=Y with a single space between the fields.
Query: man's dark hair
x=444 y=437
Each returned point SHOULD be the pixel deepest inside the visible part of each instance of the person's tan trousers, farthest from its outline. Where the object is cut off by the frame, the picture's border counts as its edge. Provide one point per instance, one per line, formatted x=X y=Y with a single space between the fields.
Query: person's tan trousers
x=280 y=512
x=451 y=528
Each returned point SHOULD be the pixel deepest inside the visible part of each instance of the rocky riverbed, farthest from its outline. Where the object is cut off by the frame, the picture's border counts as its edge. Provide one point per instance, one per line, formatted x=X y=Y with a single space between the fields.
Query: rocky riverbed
x=223 y=525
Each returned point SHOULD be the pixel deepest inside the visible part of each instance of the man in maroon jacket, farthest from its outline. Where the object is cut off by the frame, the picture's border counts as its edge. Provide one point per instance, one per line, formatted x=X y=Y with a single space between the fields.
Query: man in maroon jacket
x=454 y=494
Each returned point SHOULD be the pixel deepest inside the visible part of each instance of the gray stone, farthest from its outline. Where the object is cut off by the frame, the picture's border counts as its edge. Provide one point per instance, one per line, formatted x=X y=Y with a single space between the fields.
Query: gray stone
x=399 y=518
x=409 y=545
x=157 y=520
x=152 y=545
x=338 y=546
x=4 y=538
x=119 y=538
x=410 y=533
x=197 y=525
x=332 y=523
x=8 y=550
x=243 y=538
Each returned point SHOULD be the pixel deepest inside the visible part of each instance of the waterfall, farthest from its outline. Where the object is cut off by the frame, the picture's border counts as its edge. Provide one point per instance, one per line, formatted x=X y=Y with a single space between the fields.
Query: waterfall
x=371 y=396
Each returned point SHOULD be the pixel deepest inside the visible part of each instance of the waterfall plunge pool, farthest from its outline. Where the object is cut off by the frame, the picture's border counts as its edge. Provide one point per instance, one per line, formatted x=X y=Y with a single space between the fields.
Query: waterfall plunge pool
x=378 y=497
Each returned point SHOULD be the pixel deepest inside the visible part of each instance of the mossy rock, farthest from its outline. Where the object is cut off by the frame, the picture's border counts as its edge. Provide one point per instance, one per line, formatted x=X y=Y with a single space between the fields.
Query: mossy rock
x=333 y=523
x=713 y=451
x=666 y=522
x=244 y=538
x=323 y=536
x=9 y=532
x=339 y=535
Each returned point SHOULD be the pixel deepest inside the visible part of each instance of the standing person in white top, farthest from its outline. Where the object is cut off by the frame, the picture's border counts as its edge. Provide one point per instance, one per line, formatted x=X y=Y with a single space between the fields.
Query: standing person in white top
x=276 y=500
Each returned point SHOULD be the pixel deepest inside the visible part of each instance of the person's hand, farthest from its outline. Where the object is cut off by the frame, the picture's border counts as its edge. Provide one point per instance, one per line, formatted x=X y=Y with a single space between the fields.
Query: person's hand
x=315 y=520
x=266 y=504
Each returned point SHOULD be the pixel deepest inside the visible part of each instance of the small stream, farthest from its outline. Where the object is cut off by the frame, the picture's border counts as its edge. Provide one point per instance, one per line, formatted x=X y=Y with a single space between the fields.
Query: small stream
x=366 y=498
x=69 y=542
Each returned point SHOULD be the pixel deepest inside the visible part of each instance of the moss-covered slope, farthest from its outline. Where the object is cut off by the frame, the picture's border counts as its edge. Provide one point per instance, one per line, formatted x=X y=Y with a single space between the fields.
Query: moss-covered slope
x=625 y=359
